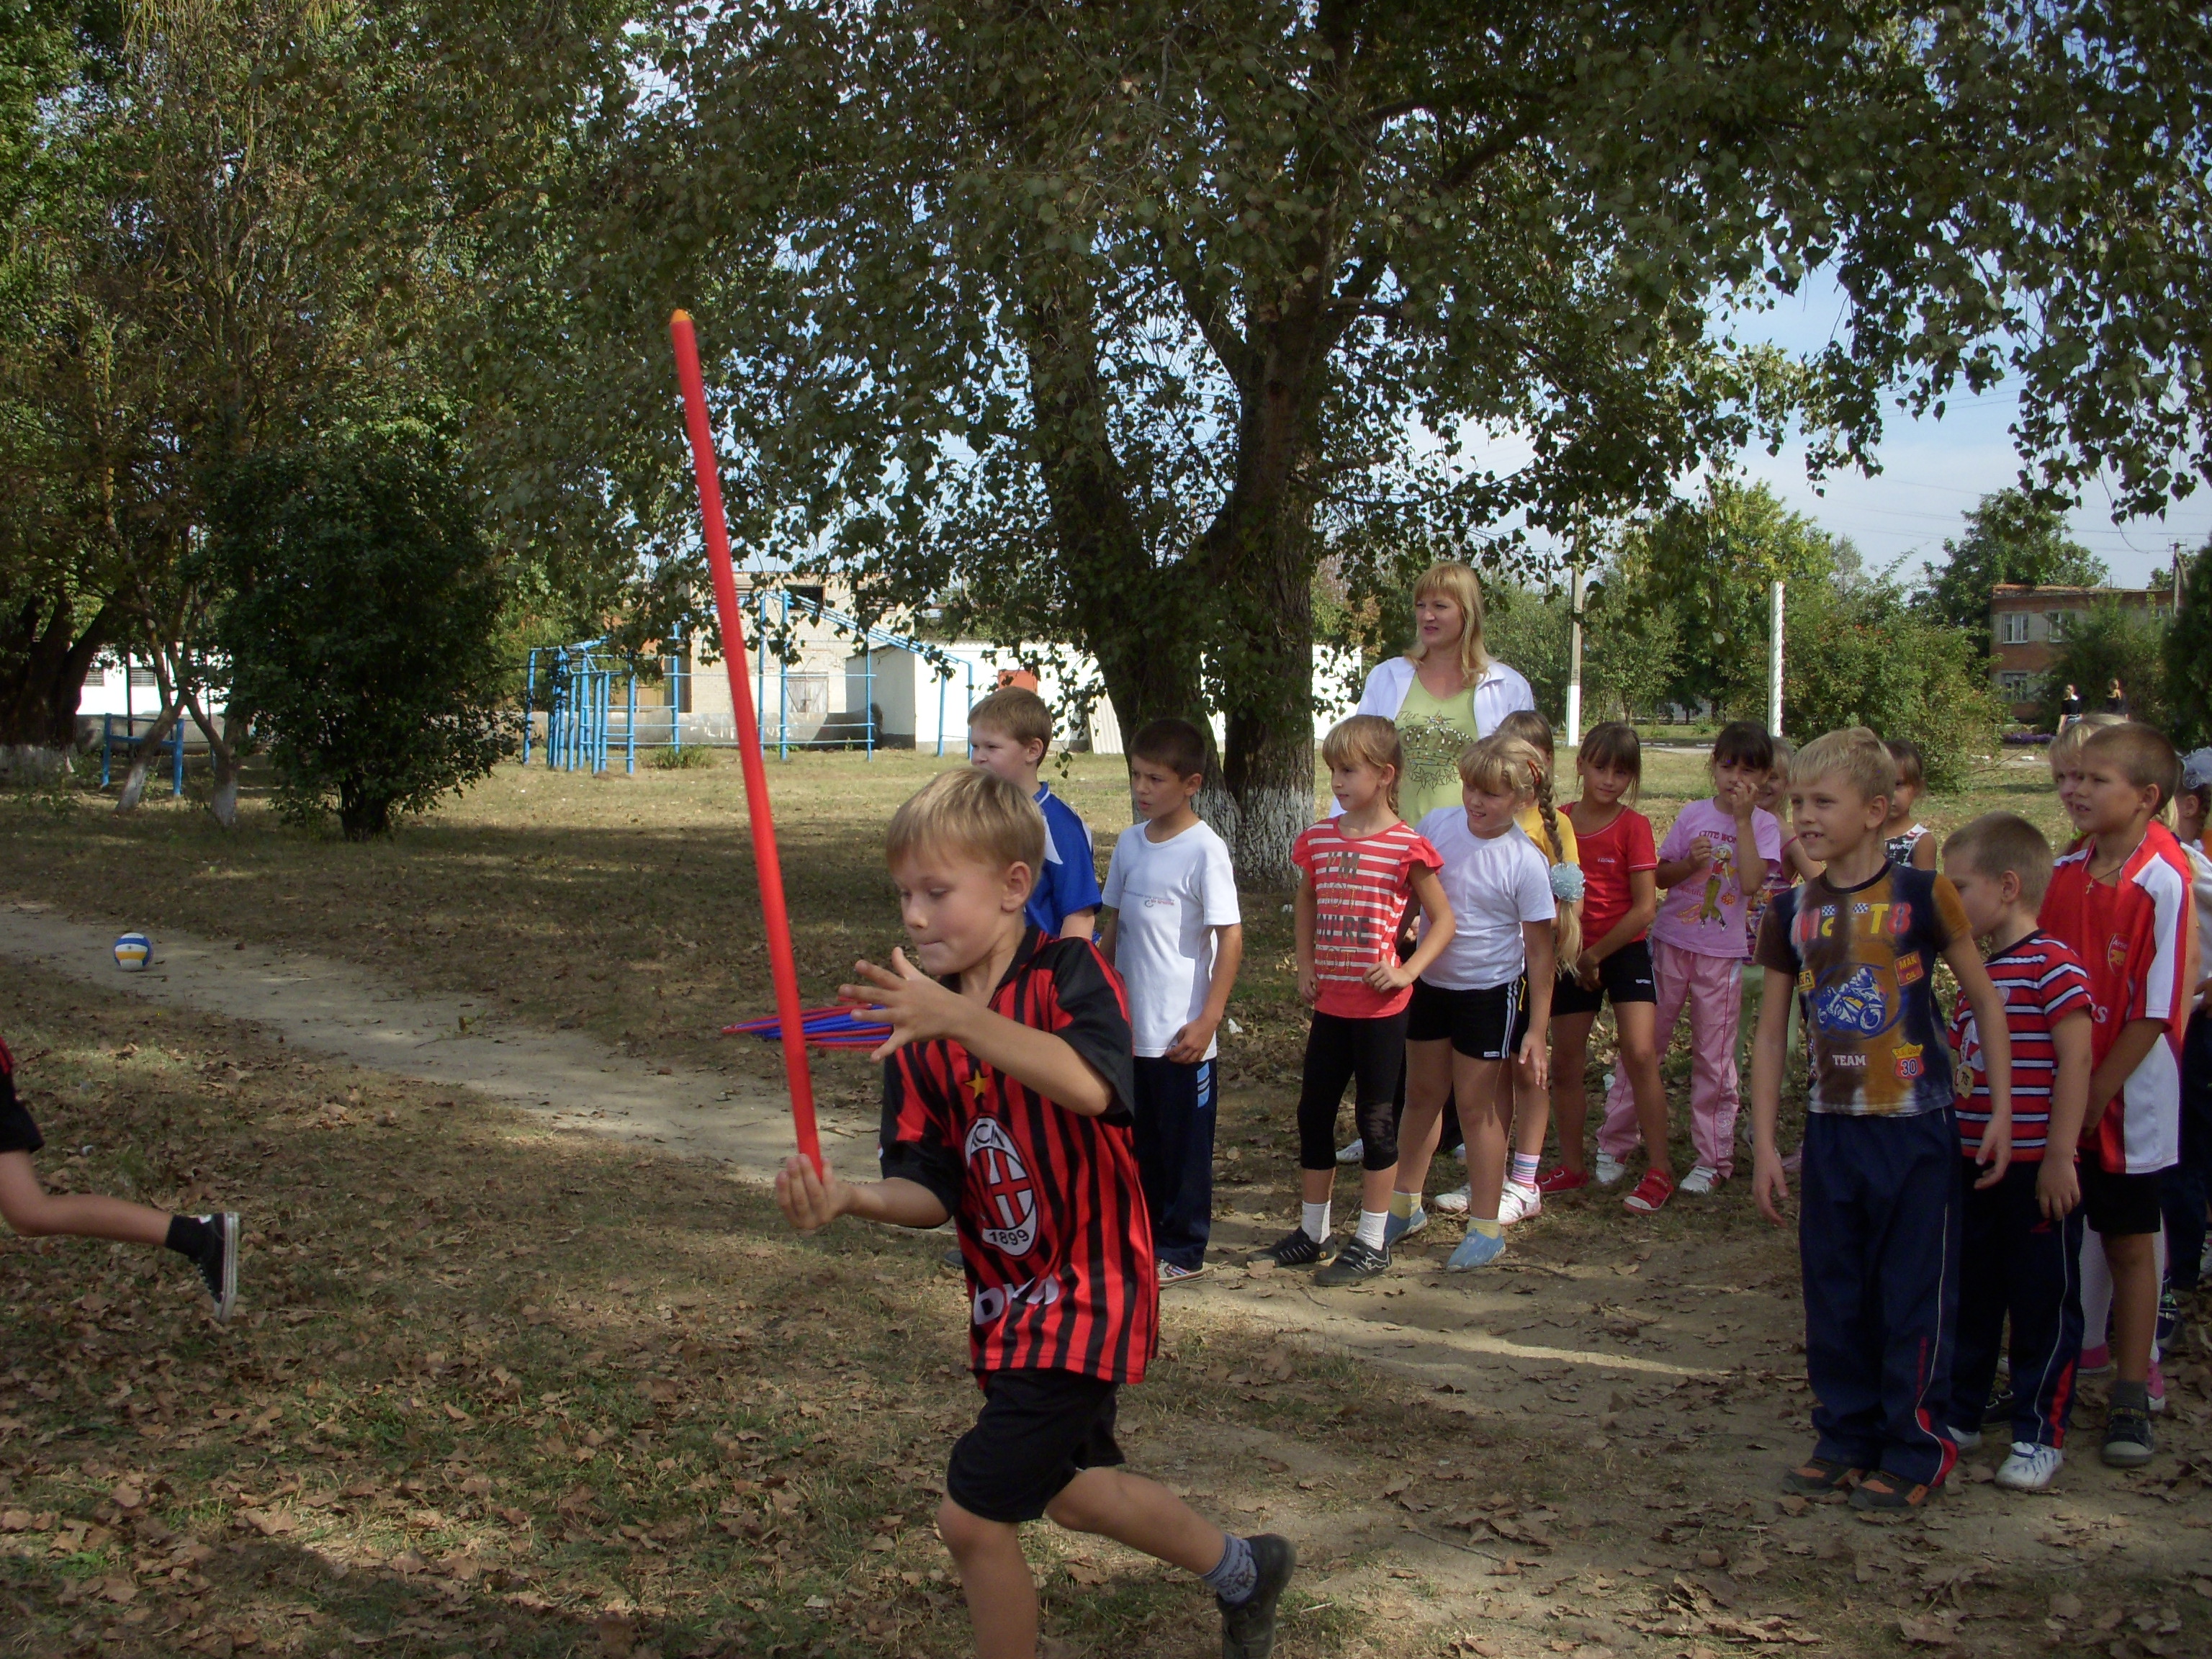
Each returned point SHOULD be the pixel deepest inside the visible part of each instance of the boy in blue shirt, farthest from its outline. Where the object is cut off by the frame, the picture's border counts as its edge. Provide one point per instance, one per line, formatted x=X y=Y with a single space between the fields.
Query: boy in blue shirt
x=1008 y=733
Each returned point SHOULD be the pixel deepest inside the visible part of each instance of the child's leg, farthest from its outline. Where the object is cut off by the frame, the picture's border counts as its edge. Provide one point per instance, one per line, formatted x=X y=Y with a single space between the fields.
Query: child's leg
x=1532 y=1107
x=1174 y=1157
x=2133 y=1258
x=32 y=1211
x=996 y=1579
x=1428 y=1084
x=2096 y=1291
x=1570 y=1093
x=2184 y=1187
x=1142 y=1514
x=1332 y=1057
x=1638 y=1061
x=1671 y=987
x=1836 y=1237
x=1484 y=1089
x=1914 y=1272
x=1716 y=1006
x=1380 y=1084
x=1991 y=1226
x=2044 y=1296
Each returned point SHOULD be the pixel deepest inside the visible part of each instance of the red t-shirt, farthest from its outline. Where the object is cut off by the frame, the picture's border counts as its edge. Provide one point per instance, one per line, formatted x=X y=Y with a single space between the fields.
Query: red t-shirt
x=2137 y=940
x=2042 y=983
x=1361 y=886
x=1610 y=856
x=1054 y=1231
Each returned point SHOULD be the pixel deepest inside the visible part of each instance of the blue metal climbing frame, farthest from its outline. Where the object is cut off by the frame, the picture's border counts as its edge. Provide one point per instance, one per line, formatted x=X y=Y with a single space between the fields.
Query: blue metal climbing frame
x=580 y=690
x=871 y=640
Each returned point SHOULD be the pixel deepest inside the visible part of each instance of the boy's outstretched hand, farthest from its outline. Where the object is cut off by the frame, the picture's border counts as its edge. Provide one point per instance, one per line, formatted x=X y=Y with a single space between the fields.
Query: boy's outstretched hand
x=811 y=1202
x=1768 y=1186
x=1994 y=1153
x=917 y=1008
x=2057 y=1187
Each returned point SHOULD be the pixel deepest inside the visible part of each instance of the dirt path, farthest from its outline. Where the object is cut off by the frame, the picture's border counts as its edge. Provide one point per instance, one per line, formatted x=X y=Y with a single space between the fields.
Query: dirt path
x=1670 y=1369
x=348 y=1012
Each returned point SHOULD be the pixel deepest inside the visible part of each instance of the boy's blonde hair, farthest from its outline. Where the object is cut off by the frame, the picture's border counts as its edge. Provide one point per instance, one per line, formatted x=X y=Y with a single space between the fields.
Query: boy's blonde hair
x=969 y=812
x=1457 y=582
x=2067 y=744
x=1853 y=754
x=2144 y=753
x=1367 y=740
x=1998 y=841
x=1530 y=729
x=1017 y=711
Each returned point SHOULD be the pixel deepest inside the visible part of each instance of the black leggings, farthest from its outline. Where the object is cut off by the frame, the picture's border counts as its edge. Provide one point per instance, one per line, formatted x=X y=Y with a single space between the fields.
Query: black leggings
x=1338 y=1050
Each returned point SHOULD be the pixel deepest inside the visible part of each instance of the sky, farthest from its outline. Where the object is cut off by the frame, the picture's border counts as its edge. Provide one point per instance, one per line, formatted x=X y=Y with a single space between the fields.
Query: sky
x=1933 y=471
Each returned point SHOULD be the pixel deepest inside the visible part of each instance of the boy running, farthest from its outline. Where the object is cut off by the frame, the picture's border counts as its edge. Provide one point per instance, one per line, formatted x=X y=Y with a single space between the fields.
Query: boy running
x=2121 y=898
x=1008 y=1087
x=1008 y=733
x=1878 y=1228
x=210 y=1242
x=2021 y=1245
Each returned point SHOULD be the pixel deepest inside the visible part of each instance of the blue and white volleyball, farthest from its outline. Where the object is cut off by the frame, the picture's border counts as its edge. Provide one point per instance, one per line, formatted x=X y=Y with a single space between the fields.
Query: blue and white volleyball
x=133 y=951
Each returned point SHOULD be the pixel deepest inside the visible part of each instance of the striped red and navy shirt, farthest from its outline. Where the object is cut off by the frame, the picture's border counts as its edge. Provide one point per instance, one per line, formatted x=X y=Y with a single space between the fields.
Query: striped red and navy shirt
x=1361 y=887
x=1054 y=1230
x=2042 y=983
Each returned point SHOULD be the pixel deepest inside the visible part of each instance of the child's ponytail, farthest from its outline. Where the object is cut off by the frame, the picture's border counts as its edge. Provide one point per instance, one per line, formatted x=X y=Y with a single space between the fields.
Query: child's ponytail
x=1527 y=726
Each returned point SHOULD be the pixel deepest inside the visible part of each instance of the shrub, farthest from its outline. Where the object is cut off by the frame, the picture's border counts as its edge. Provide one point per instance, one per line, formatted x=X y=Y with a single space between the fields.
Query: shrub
x=365 y=603
x=697 y=757
x=2106 y=644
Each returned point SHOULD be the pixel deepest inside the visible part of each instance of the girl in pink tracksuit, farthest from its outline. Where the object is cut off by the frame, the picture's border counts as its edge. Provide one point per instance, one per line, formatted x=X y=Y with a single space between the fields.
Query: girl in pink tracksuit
x=1717 y=852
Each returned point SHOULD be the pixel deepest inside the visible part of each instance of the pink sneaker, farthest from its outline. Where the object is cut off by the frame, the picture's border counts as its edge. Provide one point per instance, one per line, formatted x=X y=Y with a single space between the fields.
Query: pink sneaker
x=2094 y=1362
x=2157 y=1384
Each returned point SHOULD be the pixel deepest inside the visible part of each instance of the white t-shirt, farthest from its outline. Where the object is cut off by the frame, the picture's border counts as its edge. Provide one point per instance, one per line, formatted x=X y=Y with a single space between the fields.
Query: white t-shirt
x=1493 y=887
x=1169 y=896
x=2200 y=884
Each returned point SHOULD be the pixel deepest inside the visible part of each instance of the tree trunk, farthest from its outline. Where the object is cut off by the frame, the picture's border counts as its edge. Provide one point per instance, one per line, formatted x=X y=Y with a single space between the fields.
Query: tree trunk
x=142 y=756
x=43 y=663
x=226 y=759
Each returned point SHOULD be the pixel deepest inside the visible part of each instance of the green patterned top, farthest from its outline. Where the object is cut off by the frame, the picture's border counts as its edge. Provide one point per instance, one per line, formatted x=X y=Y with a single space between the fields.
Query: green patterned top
x=1435 y=732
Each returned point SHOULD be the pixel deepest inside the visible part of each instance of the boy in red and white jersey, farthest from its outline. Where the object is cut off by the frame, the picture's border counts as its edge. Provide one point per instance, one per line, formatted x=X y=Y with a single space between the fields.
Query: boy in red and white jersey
x=2121 y=899
x=2021 y=1231
x=1008 y=1088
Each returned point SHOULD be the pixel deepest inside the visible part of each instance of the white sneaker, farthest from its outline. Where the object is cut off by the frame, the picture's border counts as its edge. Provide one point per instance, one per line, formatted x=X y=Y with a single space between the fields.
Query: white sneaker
x=1353 y=1154
x=1607 y=1170
x=2030 y=1468
x=1700 y=1180
x=1518 y=1203
x=1459 y=1151
x=1453 y=1202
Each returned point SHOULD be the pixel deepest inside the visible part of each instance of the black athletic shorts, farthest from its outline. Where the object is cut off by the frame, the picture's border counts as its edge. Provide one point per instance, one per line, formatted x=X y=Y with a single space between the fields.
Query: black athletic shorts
x=2119 y=1204
x=1624 y=976
x=18 y=1134
x=1481 y=1025
x=1038 y=1431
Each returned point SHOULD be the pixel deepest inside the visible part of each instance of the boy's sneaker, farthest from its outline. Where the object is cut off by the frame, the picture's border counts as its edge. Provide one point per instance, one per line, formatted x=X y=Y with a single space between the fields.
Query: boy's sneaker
x=1172 y=1274
x=1353 y=1154
x=1518 y=1202
x=1609 y=1168
x=1403 y=1226
x=2031 y=1468
x=1821 y=1477
x=1563 y=1180
x=2094 y=1362
x=218 y=1260
x=1475 y=1250
x=1247 y=1630
x=1295 y=1248
x=2129 y=1443
x=2169 y=1321
x=1651 y=1193
x=1454 y=1202
x=1355 y=1264
x=1700 y=1181
x=1883 y=1490
x=1965 y=1440
x=1998 y=1412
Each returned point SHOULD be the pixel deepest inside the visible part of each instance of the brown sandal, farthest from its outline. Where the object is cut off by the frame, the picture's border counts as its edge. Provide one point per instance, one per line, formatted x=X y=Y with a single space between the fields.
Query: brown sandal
x=1821 y=1477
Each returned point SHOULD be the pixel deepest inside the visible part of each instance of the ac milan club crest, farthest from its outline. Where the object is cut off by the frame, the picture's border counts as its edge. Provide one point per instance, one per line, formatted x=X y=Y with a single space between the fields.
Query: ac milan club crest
x=1008 y=1197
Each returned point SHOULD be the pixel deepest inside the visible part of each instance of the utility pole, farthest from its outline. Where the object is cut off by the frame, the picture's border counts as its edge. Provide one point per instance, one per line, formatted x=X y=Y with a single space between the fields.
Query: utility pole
x=1774 y=659
x=1574 y=653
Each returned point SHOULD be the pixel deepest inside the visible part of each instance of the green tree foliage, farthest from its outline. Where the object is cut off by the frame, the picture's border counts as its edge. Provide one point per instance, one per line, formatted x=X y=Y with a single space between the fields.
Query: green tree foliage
x=2010 y=537
x=1628 y=650
x=364 y=612
x=2189 y=655
x=1863 y=656
x=2111 y=641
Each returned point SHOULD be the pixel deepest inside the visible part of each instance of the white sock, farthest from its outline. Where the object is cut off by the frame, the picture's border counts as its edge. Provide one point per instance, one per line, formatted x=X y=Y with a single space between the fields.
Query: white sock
x=1371 y=1224
x=1315 y=1221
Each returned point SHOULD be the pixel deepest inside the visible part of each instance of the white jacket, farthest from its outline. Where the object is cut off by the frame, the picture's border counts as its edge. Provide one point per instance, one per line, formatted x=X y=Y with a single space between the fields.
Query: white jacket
x=1498 y=694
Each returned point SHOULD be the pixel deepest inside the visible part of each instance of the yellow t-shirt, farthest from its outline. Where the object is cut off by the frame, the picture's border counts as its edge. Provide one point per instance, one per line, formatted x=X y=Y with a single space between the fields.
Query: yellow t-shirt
x=1532 y=825
x=1434 y=732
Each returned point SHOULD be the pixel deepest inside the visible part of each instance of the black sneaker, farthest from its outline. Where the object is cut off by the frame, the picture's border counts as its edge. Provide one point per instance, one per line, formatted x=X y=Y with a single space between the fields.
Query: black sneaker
x=1247 y=1630
x=1355 y=1264
x=2128 y=1444
x=2169 y=1319
x=1998 y=1414
x=218 y=1260
x=1295 y=1248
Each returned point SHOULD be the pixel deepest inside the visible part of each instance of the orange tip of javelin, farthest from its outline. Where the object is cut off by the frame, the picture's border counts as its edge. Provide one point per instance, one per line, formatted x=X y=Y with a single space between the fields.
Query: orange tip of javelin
x=679 y=316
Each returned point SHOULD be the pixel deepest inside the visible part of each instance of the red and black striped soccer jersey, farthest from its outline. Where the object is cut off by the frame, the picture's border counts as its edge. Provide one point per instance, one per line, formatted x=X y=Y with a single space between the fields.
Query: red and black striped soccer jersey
x=2042 y=982
x=1056 y=1239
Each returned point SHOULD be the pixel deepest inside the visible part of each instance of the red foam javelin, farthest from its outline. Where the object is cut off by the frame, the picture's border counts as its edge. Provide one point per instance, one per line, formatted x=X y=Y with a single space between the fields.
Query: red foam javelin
x=766 y=864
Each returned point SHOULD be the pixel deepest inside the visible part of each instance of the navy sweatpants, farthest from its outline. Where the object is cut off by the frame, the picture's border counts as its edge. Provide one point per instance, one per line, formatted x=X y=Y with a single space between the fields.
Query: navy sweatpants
x=2012 y=1261
x=1173 y=1132
x=1878 y=1236
x=2184 y=1187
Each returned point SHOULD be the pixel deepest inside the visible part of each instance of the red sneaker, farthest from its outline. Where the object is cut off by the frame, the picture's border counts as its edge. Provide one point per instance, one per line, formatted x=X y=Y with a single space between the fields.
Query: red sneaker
x=1651 y=1193
x=1563 y=1180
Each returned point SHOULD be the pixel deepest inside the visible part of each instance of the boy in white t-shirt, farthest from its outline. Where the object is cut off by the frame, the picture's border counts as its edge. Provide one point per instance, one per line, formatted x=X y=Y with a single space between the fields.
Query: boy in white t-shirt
x=1176 y=935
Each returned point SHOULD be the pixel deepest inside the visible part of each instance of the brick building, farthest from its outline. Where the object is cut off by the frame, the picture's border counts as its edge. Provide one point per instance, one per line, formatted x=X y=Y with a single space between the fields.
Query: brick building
x=2027 y=624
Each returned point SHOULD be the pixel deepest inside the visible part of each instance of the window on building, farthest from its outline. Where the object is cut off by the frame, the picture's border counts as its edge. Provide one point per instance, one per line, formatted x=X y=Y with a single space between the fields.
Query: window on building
x=2017 y=685
x=2057 y=621
x=2011 y=628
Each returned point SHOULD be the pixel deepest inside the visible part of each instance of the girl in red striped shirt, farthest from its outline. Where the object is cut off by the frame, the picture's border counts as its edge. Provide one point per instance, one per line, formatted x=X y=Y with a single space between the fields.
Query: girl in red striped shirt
x=1357 y=873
